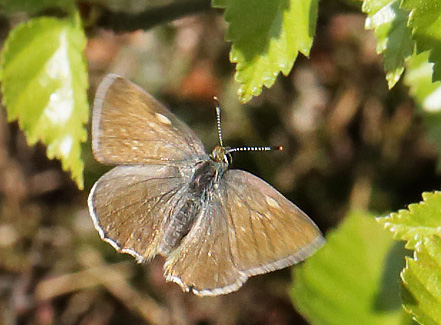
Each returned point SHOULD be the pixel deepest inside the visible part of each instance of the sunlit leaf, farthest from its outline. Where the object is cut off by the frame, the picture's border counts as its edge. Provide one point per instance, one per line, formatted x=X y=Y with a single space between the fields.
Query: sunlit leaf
x=44 y=82
x=420 y=220
x=426 y=29
x=389 y=22
x=420 y=227
x=267 y=36
x=354 y=278
x=427 y=95
x=422 y=281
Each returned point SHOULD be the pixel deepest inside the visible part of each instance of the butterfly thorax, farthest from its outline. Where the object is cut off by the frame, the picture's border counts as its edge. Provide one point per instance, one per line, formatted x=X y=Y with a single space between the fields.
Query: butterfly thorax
x=205 y=177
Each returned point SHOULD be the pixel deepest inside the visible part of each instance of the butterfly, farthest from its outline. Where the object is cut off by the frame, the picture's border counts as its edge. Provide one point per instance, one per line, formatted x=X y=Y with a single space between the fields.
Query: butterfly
x=215 y=226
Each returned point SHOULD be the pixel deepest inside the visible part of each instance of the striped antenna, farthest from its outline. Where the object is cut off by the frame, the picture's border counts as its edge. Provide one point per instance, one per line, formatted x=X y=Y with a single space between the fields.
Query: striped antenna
x=279 y=148
x=218 y=118
x=230 y=150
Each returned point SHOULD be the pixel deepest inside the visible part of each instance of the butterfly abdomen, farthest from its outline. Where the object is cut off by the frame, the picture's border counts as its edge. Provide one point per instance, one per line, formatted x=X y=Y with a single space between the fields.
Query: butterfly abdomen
x=179 y=226
x=186 y=214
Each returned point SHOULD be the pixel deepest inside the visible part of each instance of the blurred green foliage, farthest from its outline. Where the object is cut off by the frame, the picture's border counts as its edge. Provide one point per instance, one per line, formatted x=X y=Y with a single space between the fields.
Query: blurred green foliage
x=353 y=279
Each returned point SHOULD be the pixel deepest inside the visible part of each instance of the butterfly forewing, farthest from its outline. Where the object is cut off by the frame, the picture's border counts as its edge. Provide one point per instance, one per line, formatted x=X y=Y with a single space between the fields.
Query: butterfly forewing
x=131 y=205
x=266 y=231
x=129 y=126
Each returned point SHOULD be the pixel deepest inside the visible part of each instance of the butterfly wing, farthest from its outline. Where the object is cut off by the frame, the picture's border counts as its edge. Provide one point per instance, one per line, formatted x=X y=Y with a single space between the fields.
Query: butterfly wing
x=129 y=126
x=203 y=263
x=246 y=228
x=131 y=205
x=266 y=231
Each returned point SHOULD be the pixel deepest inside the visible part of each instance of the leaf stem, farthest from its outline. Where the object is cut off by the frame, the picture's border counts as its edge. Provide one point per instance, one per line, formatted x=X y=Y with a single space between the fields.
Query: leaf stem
x=127 y=22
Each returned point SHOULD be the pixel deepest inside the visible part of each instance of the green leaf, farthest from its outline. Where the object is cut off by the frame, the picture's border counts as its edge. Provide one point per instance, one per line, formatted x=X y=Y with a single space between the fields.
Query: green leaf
x=426 y=29
x=389 y=22
x=419 y=79
x=43 y=82
x=419 y=221
x=354 y=278
x=422 y=281
x=420 y=226
x=33 y=6
x=267 y=36
x=427 y=95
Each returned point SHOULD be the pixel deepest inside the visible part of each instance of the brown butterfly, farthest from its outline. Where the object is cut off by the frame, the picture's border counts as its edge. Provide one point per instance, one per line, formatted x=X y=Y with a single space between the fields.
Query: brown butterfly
x=215 y=226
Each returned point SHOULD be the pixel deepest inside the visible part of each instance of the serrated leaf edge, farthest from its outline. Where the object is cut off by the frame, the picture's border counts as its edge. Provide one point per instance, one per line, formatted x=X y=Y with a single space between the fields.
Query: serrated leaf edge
x=390 y=226
x=30 y=140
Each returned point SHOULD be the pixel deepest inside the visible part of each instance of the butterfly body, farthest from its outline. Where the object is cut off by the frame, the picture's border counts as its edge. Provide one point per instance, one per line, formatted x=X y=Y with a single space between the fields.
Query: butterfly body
x=216 y=226
x=204 y=181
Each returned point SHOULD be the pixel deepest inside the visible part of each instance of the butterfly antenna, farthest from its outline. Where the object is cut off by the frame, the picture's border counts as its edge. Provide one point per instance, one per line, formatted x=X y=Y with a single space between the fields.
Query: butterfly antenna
x=230 y=150
x=278 y=148
x=218 y=118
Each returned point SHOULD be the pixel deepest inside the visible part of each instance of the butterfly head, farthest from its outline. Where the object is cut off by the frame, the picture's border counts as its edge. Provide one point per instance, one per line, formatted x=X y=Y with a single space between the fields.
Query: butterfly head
x=221 y=155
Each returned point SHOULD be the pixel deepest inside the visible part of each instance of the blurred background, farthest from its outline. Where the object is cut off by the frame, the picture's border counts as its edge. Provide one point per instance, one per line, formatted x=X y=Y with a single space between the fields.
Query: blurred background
x=349 y=144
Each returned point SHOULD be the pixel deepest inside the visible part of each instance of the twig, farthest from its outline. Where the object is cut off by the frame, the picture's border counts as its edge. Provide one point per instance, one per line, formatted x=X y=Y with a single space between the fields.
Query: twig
x=55 y=286
x=127 y=22
x=133 y=299
x=113 y=277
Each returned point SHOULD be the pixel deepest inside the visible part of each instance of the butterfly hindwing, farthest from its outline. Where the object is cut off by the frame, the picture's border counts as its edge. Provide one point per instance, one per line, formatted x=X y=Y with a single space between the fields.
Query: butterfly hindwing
x=131 y=205
x=202 y=263
x=266 y=231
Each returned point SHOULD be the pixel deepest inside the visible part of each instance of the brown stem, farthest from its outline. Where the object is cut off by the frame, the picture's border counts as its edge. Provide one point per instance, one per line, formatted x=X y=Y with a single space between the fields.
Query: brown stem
x=127 y=22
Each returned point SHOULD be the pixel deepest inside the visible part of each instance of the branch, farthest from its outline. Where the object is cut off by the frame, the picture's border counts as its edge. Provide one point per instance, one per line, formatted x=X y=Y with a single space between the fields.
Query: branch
x=127 y=22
